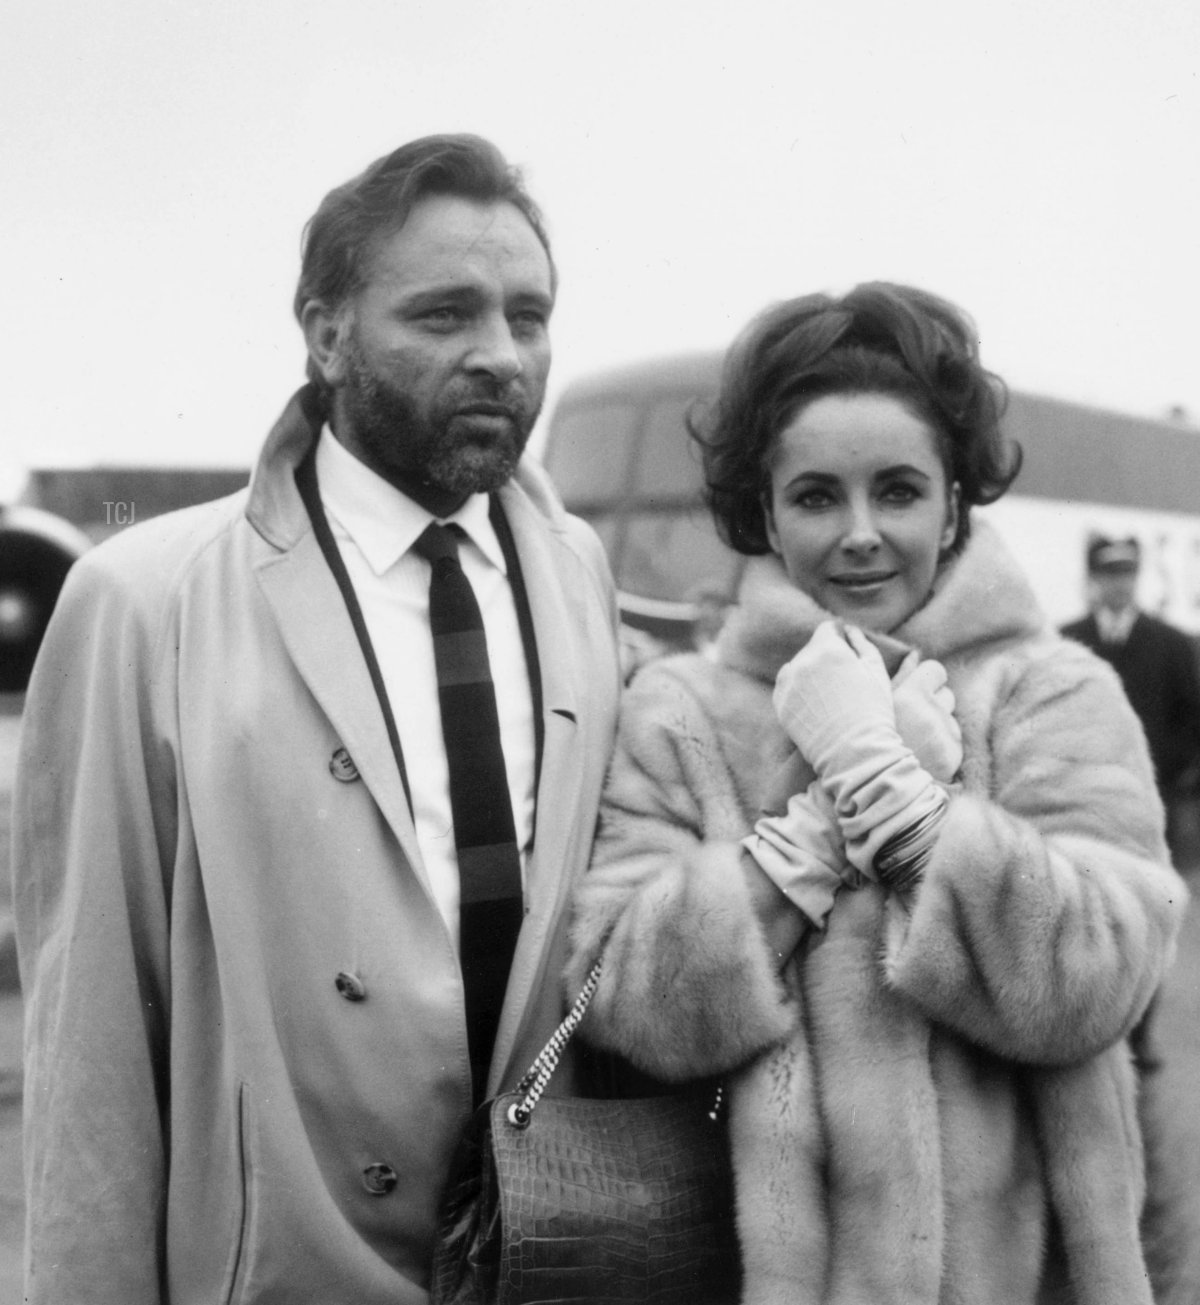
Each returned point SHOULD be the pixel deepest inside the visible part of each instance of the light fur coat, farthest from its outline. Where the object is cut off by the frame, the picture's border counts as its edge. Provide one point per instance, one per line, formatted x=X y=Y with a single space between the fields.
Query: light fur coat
x=933 y=1104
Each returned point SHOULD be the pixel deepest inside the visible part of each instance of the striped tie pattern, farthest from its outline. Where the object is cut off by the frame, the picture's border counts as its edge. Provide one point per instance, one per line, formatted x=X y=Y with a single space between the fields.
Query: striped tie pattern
x=491 y=906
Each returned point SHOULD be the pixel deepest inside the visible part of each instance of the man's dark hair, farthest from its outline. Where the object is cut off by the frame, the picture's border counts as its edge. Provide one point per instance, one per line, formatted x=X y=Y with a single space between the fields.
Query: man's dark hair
x=880 y=338
x=340 y=236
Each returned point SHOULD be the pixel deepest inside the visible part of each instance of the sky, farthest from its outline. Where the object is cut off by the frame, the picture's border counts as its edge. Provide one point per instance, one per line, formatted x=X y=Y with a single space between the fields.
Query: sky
x=1035 y=161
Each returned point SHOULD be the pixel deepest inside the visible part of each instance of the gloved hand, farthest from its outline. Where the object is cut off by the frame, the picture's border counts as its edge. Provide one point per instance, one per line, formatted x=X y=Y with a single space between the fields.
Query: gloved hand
x=924 y=706
x=835 y=689
x=801 y=853
x=834 y=699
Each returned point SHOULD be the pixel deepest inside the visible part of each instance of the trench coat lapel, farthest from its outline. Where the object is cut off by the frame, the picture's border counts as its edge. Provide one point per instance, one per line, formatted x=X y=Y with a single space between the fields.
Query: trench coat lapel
x=315 y=626
x=547 y=564
x=312 y=619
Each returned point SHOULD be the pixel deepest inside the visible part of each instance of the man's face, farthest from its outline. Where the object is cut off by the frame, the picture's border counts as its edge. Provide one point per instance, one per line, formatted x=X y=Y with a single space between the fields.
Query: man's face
x=1114 y=589
x=442 y=359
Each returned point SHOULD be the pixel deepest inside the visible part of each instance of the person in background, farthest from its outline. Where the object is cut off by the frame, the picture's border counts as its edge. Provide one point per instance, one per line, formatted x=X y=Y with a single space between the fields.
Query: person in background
x=1157 y=665
x=637 y=648
x=1156 y=662
x=892 y=865
x=711 y=604
x=283 y=919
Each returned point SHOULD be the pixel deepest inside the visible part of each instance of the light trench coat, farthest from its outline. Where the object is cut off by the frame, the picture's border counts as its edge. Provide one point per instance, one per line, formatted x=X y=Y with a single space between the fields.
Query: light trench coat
x=246 y=1051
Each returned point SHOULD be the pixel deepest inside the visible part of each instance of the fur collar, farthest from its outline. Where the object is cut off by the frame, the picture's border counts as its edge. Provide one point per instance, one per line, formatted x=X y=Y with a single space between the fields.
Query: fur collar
x=980 y=597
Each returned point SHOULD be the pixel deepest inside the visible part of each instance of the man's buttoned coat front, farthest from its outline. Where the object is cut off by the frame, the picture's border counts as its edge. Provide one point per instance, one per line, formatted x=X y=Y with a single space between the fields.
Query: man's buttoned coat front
x=246 y=1050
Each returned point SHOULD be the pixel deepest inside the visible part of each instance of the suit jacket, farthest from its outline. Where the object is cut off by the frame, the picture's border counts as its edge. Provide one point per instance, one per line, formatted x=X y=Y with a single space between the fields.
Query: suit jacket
x=1157 y=666
x=247 y=1058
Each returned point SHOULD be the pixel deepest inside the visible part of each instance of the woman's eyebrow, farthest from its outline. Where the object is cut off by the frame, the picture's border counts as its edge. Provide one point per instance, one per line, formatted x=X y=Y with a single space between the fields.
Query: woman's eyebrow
x=904 y=469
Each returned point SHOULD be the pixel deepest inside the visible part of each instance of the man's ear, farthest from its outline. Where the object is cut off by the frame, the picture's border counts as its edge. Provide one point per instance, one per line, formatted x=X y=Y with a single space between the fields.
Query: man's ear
x=327 y=332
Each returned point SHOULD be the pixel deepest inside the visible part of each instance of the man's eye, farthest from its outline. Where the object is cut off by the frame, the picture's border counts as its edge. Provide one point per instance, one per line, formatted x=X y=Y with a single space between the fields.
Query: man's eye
x=441 y=318
x=529 y=321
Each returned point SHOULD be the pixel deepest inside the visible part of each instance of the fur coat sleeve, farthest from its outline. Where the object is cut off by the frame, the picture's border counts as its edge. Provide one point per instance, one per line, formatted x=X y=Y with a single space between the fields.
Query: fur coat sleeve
x=689 y=987
x=1047 y=914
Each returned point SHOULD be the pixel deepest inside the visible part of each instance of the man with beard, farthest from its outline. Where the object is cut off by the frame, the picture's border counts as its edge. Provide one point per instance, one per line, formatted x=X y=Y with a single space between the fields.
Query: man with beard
x=268 y=973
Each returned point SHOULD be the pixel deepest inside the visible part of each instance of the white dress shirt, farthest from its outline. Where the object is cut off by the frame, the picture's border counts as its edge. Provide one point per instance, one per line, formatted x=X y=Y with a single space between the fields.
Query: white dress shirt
x=375 y=526
x=1114 y=627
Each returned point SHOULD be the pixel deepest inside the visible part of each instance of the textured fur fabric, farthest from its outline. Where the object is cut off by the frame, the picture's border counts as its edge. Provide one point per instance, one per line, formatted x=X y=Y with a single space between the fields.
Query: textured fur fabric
x=933 y=1103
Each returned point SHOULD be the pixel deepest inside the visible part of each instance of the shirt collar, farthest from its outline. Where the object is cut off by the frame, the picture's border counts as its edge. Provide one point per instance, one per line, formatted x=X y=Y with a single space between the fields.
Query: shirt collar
x=1115 y=627
x=382 y=521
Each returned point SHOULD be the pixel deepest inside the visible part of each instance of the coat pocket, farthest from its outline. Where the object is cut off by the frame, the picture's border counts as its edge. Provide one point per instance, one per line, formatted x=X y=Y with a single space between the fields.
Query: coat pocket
x=233 y=1285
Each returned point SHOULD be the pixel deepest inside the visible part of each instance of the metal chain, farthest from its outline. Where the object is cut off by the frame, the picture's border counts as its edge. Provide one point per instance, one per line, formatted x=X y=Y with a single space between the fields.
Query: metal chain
x=537 y=1076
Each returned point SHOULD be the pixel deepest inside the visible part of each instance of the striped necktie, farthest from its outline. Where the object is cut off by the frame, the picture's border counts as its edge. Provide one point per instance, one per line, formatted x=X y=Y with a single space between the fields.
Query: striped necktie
x=489 y=865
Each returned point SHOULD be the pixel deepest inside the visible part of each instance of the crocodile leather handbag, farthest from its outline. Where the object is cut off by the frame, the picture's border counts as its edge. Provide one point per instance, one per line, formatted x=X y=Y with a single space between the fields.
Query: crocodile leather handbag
x=587 y=1200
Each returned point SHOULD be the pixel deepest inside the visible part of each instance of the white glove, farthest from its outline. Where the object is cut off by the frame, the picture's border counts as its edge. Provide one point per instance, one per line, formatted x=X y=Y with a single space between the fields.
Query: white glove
x=834 y=699
x=801 y=853
x=833 y=691
x=924 y=706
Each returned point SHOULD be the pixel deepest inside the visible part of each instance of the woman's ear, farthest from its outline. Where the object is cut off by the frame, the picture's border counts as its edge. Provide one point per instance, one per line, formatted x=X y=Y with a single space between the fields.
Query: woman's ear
x=953 y=509
x=769 y=523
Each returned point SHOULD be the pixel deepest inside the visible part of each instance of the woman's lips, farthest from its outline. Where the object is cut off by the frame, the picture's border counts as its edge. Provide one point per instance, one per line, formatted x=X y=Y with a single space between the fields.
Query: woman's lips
x=863 y=589
x=867 y=581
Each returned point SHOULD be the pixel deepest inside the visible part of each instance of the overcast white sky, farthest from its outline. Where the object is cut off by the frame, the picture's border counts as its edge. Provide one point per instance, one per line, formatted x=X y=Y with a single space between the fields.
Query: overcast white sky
x=1038 y=161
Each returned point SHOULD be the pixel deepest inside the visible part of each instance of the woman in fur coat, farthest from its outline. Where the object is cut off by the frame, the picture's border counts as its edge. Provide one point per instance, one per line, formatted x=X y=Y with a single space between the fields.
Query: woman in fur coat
x=892 y=863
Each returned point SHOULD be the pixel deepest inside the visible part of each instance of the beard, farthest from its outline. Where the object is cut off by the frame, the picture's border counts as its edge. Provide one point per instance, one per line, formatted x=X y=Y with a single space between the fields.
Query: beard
x=442 y=446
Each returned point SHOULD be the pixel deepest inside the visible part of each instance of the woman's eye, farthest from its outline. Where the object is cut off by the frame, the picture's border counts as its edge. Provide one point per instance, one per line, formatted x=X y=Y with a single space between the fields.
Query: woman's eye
x=901 y=492
x=812 y=499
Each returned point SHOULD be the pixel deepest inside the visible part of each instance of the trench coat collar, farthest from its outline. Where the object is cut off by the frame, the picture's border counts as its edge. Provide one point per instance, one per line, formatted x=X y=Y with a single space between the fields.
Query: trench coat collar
x=313 y=622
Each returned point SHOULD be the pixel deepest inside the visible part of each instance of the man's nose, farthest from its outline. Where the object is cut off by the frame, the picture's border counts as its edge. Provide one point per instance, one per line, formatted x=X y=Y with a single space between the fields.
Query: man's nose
x=494 y=350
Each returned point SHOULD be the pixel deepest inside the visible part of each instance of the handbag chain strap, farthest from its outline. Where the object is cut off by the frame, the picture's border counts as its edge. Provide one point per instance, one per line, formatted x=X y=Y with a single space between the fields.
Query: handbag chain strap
x=537 y=1076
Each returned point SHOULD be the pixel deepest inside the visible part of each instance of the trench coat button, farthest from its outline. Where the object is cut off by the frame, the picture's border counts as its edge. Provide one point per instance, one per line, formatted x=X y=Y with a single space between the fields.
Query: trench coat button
x=342 y=767
x=350 y=986
x=379 y=1179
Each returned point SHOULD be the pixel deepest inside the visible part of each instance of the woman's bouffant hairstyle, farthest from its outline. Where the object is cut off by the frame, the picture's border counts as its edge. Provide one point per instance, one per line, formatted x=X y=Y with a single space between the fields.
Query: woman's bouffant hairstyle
x=340 y=236
x=879 y=338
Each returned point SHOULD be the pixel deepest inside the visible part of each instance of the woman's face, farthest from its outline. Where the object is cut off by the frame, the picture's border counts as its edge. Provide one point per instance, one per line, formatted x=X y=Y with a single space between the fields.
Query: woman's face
x=859 y=508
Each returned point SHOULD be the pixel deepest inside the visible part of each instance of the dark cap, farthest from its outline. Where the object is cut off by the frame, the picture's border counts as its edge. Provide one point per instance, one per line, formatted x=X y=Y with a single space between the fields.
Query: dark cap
x=1106 y=554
